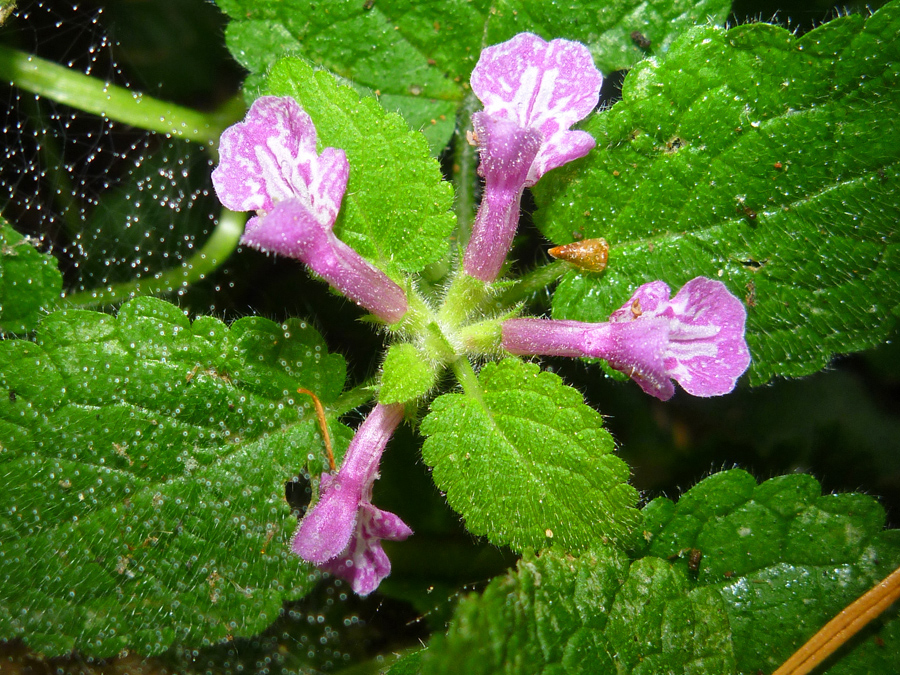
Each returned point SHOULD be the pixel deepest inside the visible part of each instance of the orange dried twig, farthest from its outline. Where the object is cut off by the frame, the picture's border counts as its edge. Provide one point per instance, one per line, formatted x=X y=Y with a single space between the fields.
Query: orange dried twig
x=844 y=626
x=323 y=425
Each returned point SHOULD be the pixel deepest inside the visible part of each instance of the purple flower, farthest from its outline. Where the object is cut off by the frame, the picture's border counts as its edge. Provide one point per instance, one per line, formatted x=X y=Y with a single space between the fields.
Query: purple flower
x=269 y=164
x=697 y=338
x=342 y=533
x=532 y=92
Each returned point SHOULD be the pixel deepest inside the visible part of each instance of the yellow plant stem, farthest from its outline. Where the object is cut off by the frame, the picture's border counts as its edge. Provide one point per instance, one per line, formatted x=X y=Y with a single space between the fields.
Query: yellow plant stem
x=323 y=425
x=844 y=626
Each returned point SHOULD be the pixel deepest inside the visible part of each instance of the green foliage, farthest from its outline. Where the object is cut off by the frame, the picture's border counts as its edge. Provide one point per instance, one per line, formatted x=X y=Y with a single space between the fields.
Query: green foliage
x=783 y=557
x=405 y=376
x=605 y=26
x=396 y=209
x=417 y=56
x=30 y=282
x=778 y=561
x=527 y=463
x=764 y=160
x=144 y=460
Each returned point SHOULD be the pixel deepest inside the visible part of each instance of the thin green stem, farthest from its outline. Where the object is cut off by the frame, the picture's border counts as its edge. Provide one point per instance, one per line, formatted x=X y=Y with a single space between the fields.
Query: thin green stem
x=464 y=177
x=68 y=86
x=215 y=251
x=467 y=378
x=536 y=280
x=353 y=398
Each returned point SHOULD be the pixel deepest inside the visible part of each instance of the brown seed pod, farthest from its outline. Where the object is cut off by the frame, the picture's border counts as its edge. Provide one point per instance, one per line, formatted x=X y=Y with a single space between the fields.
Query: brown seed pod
x=588 y=254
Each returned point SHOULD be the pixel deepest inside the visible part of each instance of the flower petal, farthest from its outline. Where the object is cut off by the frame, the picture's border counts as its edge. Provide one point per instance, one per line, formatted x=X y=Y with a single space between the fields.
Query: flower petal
x=541 y=85
x=292 y=229
x=271 y=156
x=326 y=530
x=364 y=564
x=507 y=153
x=707 y=347
x=651 y=299
x=636 y=348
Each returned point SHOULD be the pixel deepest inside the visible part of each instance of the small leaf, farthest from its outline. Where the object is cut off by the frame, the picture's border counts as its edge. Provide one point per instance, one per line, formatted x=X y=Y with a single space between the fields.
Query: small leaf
x=30 y=282
x=396 y=210
x=406 y=375
x=721 y=162
x=145 y=460
x=527 y=463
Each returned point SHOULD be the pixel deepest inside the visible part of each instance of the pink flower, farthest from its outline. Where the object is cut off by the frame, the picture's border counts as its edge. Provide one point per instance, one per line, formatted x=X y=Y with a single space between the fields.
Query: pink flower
x=696 y=338
x=269 y=164
x=342 y=533
x=532 y=92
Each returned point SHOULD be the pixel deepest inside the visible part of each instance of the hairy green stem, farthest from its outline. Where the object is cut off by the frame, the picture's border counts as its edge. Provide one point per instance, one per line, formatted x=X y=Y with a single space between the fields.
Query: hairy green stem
x=353 y=398
x=536 y=280
x=467 y=377
x=68 y=86
x=464 y=177
x=215 y=251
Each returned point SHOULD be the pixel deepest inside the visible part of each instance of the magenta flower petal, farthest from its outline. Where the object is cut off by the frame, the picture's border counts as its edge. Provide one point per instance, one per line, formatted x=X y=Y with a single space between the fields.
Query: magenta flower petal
x=269 y=164
x=364 y=563
x=342 y=533
x=547 y=86
x=323 y=534
x=696 y=338
x=271 y=156
x=532 y=91
x=707 y=348
x=292 y=230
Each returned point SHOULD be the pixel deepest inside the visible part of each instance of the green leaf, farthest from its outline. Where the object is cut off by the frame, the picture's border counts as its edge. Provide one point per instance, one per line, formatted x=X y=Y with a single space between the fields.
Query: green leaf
x=30 y=282
x=783 y=557
x=527 y=463
x=591 y=614
x=397 y=207
x=778 y=560
x=417 y=57
x=145 y=459
x=406 y=375
x=767 y=161
x=606 y=26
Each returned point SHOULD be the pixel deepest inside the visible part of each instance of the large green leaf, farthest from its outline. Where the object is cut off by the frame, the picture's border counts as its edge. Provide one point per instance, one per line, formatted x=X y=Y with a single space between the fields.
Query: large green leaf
x=527 y=463
x=417 y=56
x=397 y=207
x=776 y=561
x=768 y=161
x=144 y=461
x=30 y=282
x=783 y=557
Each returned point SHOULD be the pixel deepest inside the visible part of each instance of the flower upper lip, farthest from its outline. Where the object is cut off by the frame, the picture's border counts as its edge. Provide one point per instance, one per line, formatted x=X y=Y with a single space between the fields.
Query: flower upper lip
x=269 y=164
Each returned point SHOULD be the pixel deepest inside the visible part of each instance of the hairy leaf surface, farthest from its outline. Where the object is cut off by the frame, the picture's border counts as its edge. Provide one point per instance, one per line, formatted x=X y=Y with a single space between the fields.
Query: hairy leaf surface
x=30 y=282
x=767 y=161
x=144 y=462
x=777 y=561
x=527 y=463
x=417 y=56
